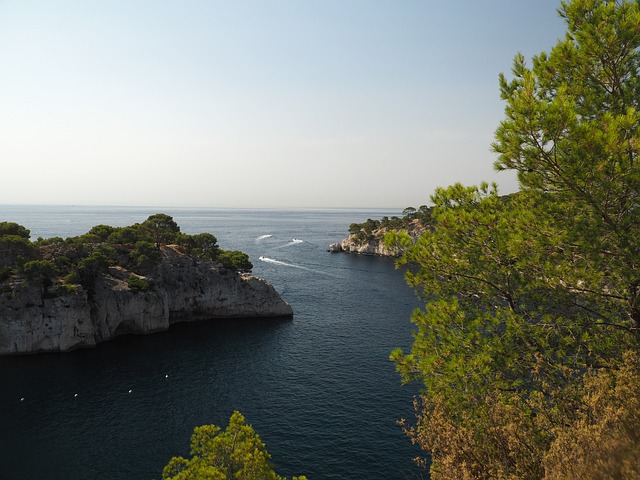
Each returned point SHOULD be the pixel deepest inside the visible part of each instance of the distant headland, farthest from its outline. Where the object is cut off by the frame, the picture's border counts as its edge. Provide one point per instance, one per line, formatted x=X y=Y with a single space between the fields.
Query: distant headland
x=60 y=294
x=368 y=238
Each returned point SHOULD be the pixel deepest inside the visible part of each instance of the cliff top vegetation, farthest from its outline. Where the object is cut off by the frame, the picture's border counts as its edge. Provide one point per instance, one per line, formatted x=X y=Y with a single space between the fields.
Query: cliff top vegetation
x=77 y=261
x=234 y=453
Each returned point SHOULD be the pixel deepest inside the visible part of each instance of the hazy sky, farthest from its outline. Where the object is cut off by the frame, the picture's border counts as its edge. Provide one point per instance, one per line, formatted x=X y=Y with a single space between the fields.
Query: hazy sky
x=256 y=103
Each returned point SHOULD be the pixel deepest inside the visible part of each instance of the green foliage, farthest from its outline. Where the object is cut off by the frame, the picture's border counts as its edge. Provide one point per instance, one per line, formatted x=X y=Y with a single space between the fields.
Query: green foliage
x=15 y=250
x=50 y=241
x=145 y=255
x=408 y=212
x=162 y=228
x=40 y=271
x=367 y=227
x=139 y=284
x=237 y=453
x=66 y=288
x=572 y=129
x=14 y=229
x=72 y=278
x=101 y=231
x=424 y=214
x=236 y=261
x=108 y=251
x=92 y=266
x=201 y=245
x=5 y=273
x=82 y=259
x=354 y=228
x=372 y=229
x=127 y=235
x=89 y=238
x=62 y=263
x=531 y=296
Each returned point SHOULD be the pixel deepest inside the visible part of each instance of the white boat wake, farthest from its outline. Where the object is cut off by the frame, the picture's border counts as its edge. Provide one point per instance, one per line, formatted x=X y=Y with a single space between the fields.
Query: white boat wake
x=292 y=265
x=294 y=241
x=262 y=237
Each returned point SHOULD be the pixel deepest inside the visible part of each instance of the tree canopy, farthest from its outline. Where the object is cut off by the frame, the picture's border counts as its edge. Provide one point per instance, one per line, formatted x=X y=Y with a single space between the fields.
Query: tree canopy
x=532 y=312
x=162 y=228
x=12 y=228
x=80 y=259
x=237 y=453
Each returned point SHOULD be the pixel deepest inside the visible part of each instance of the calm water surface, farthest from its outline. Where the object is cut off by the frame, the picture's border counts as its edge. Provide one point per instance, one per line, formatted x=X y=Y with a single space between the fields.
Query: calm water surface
x=319 y=389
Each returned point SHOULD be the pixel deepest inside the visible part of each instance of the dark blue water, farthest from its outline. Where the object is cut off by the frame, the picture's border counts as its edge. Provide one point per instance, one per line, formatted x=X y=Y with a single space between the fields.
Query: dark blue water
x=319 y=389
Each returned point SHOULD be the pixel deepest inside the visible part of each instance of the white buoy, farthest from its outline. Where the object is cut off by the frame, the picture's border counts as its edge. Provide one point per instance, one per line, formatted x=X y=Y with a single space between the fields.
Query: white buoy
x=130 y=391
x=75 y=395
x=22 y=399
x=166 y=376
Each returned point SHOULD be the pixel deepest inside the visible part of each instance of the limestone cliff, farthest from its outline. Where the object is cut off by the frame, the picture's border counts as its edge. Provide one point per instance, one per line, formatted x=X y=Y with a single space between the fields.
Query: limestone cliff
x=372 y=246
x=373 y=242
x=182 y=288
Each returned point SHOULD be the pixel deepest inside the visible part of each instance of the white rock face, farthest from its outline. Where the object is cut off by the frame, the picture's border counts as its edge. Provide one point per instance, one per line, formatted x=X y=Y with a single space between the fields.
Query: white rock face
x=184 y=289
x=373 y=247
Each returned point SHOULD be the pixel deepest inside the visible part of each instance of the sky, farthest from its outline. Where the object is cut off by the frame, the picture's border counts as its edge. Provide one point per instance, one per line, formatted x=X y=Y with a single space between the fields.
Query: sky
x=256 y=103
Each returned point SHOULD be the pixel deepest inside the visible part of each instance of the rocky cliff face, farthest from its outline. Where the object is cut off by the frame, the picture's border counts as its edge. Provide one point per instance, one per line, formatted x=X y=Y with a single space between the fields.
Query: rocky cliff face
x=182 y=289
x=374 y=245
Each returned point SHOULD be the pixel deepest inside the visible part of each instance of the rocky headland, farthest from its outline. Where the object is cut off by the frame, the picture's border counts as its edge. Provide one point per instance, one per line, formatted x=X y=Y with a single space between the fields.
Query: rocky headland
x=372 y=246
x=370 y=241
x=179 y=288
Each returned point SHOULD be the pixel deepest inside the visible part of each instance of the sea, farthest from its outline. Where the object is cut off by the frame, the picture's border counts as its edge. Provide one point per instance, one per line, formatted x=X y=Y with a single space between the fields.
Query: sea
x=318 y=388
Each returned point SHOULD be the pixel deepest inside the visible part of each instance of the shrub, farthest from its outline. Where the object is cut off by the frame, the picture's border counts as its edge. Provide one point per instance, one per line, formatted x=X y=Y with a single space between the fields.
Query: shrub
x=126 y=235
x=65 y=288
x=92 y=266
x=5 y=273
x=50 y=241
x=101 y=231
x=236 y=261
x=237 y=452
x=72 y=278
x=145 y=255
x=12 y=228
x=139 y=284
x=15 y=250
x=202 y=245
x=40 y=271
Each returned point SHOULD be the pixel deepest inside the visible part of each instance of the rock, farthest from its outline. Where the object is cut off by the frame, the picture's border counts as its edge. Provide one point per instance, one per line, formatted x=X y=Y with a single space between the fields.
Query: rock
x=375 y=245
x=371 y=247
x=335 y=248
x=182 y=289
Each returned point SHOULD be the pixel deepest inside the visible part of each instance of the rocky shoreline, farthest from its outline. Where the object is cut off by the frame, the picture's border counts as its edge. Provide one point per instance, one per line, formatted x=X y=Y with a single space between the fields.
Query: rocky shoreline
x=374 y=244
x=181 y=288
